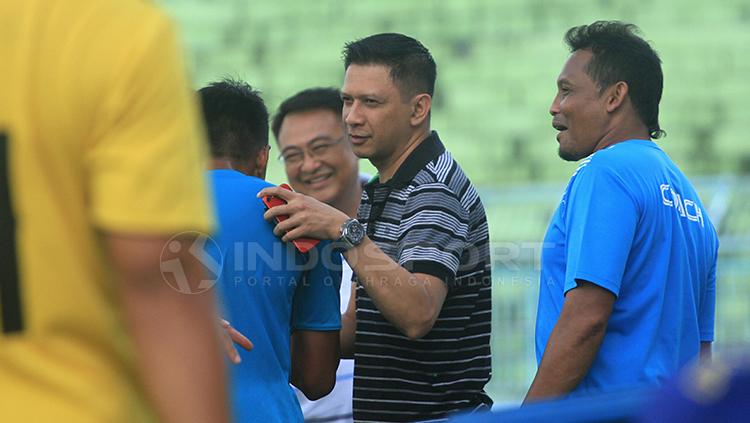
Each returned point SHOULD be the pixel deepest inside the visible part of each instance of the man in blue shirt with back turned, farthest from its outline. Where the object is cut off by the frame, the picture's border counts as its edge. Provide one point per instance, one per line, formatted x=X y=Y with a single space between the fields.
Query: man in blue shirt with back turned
x=286 y=302
x=628 y=279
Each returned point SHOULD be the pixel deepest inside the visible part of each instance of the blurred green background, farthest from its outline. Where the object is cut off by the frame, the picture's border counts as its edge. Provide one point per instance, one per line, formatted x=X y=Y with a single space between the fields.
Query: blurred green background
x=497 y=65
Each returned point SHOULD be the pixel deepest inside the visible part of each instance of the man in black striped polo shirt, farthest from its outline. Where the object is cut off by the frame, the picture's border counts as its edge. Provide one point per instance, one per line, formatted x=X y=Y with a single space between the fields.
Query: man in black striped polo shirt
x=419 y=249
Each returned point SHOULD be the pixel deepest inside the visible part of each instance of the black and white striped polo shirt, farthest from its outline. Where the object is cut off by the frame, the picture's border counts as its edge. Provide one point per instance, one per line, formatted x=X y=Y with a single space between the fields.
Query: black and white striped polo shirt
x=429 y=219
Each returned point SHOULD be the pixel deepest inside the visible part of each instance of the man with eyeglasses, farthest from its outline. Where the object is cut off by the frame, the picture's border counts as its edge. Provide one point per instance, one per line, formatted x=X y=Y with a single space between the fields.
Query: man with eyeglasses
x=319 y=162
x=317 y=158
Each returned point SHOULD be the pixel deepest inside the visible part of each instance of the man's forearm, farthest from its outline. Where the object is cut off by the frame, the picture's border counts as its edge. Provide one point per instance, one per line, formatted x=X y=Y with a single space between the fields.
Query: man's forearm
x=561 y=370
x=574 y=341
x=179 y=355
x=411 y=302
x=705 y=353
x=315 y=358
x=349 y=326
x=175 y=335
x=570 y=351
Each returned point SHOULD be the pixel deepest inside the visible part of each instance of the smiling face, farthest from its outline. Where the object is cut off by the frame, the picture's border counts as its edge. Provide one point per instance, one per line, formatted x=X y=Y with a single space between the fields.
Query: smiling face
x=328 y=172
x=578 y=111
x=376 y=115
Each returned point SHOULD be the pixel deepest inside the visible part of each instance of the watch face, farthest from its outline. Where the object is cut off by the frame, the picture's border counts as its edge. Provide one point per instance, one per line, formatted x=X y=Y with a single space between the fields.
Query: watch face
x=355 y=232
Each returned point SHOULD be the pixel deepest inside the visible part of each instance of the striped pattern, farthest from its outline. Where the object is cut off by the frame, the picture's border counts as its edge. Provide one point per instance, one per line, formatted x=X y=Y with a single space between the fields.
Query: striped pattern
x=429 y=219
x=583 y=164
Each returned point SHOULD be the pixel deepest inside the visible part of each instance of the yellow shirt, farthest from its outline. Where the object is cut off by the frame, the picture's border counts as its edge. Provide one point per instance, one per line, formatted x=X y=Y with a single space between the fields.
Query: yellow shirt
x=99 y=132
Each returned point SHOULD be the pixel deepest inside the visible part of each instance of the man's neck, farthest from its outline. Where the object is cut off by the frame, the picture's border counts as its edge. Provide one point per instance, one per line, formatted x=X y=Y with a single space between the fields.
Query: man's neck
x=388 y=169
x=220 y=163
x=623 y=132
x=348 y=199
x=624 y=125
x=217 y=163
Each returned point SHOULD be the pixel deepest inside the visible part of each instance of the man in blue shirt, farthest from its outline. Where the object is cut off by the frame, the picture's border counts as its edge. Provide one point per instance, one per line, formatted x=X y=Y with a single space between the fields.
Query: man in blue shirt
x=286 y=302
x=319 y=162
x=628 y=279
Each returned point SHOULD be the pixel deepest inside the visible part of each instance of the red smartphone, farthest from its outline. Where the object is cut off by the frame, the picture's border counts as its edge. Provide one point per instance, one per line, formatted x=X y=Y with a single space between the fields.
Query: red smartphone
x=303 y=245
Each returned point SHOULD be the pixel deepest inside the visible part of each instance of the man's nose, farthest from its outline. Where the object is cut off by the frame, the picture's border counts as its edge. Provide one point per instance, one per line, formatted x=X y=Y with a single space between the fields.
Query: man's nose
x=309 y=163
x=352 y=114
x=554 y=108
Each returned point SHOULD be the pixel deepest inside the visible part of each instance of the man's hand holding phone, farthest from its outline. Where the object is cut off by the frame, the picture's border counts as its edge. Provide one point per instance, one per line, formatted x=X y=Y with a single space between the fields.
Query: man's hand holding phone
x=299 y=216
x=302 y=244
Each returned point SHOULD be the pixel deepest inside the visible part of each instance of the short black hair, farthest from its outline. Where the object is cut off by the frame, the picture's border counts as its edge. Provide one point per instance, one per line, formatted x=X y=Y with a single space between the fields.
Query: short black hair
x=311 y=99
x=412 y=67
x=619 y=54
x=236 y=119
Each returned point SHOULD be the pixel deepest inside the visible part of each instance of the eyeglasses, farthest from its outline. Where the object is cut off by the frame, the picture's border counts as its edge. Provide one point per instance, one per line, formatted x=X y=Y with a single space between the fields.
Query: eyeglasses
x=319 y=148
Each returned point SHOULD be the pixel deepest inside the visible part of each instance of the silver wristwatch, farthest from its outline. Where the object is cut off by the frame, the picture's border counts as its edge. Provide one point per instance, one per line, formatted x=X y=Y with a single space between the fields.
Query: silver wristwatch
x=352 y=234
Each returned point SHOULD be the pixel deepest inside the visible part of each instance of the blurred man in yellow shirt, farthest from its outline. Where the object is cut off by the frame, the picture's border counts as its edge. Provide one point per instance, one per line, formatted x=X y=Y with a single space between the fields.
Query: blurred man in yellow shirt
x=101 y=164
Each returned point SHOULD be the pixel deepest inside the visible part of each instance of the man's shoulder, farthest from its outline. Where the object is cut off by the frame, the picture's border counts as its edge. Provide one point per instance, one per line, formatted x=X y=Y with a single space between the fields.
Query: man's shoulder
x=437 y=169
x=442 y=171
x=123 y=24
x=442 y=187
x=631 y=165
x=237 y=181
x=611 y=161
x=631 y=154
x=235 y=200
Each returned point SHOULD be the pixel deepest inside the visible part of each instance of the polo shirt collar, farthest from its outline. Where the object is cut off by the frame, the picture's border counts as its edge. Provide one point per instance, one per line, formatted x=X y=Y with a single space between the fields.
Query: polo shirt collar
x=427 y=151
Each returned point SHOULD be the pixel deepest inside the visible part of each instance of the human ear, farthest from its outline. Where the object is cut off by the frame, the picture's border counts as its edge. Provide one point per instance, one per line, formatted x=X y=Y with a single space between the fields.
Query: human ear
x=616 y=95
x=261 y=163
x=420 y=108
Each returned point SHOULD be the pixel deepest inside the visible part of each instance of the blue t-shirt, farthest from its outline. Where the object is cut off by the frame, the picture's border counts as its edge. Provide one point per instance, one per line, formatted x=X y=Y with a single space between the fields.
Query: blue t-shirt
x=632 y=223
x=268 y=290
